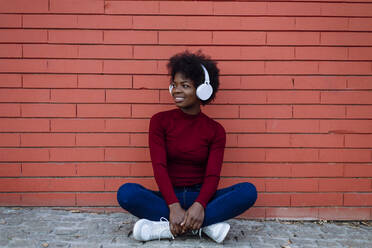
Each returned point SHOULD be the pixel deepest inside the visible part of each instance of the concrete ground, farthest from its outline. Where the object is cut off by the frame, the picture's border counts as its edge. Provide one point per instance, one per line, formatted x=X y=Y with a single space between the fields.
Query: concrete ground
x=47 y=227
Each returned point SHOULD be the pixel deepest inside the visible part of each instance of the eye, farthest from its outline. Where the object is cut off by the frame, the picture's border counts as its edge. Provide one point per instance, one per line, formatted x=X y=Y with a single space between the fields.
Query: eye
x=186 y=86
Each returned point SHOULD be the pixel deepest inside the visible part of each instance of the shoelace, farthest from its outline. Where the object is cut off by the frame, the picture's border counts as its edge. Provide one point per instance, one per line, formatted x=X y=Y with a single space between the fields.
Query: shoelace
x=195 y=232
x=162 y=219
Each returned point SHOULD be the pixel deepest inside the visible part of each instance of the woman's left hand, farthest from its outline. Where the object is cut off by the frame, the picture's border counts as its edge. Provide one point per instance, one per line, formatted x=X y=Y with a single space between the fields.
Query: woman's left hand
x=194 y=217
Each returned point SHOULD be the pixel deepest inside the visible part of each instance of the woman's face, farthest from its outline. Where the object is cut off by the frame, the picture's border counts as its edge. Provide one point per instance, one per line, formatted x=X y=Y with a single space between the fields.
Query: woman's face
x=184 y=94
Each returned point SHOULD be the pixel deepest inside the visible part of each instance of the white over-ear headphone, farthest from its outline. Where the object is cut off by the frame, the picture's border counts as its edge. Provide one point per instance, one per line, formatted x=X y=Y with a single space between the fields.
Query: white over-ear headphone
x=205 y=90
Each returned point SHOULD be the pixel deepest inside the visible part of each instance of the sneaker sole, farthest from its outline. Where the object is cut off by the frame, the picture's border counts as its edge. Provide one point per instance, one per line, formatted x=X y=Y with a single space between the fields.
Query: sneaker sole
x=223 y=236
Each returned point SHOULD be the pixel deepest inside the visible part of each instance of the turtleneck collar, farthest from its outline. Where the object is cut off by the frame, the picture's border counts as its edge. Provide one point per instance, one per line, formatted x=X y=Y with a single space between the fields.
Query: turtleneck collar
x=188 y=116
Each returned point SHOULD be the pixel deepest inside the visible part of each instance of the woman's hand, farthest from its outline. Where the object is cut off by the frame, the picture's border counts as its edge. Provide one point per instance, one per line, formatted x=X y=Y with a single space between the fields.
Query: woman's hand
x=194 y=217
x=176 y=216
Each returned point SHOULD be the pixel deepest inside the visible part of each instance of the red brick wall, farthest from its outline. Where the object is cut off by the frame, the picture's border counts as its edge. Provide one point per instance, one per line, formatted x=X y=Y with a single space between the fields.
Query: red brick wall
x=80 y=79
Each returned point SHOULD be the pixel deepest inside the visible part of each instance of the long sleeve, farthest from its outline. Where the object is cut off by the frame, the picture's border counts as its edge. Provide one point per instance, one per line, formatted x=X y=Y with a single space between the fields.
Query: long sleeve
x=159 y=159
x=214 y=164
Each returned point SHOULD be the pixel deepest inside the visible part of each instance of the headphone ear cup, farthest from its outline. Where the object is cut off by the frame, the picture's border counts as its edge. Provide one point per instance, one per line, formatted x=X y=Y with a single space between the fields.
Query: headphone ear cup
x=204 y=91
x=170 y=89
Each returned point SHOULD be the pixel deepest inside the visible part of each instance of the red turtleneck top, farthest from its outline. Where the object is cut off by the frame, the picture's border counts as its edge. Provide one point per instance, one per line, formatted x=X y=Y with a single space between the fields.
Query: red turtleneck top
x=186 y=150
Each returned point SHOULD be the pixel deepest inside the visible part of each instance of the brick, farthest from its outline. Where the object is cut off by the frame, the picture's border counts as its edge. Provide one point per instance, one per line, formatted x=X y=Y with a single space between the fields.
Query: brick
x=156 y=52
x=317 y=199
x=253 y=213
x=50 y=51
x=77 y=125
x=127 y=125
x=319 y=111
x=344 y=213
x=358 y=199
x=132 y=7
x=344 y=185
x=267 y=53
x=23 y=36
x=291 y=185
x=244 y=155
x=51 y=184
x=10 y=170
x=113 y=184
x=231 y=82
x=265 y=111
x=10 y=50
x=186 y=8
x=362 y=112
x=214 y=23
x=105 y=52
x=240 y=38
x=291 y=67
x=160 y=22
x=10 y=21
x=103 y=110
x=127 y=154
x=346 y=97
x=24 y=125
x=273 y=200
x=105 y=81
x=96 y=199
x=75 y=36
x=130 y=37
x=100 y=139
x=344 y=68
x=221 y=111
x=48 y=199
x=139 y=139
x=103 y=169
x=319 y=82
x=48 y=170
x=74 y=66
x=239 y=8
x=142 y=169
x=255 y=170
x=360 y=24
x=23 y=154
x=358 y=140
x=9 y=139
x=292 y=155
x=23 y=65
x=346 y=38
x=48 y=110
x=322 y=23
x=76 y=154
x=259 y=183
x=345 y=9
x=78 y=95
x=240 y=97
x=150 y=81
x=132 y=96
x=358 y=170
x=104 y=22
x=316 y=170
x=147 y=110
x=50 y=21
x=322 y=53
x=293 y=38
x=10 y=110
x=49 y=81
x=263 y=140
x=24 y=95
x=345 y=155
x=24 y=6
x=360 y=53
x=359 y=82
x=77 y=6
x=130 y=66
x=10 y=199
x=266 y=82
x=292 y=126
x=241 y=67
x=267 y=23
x=246 y=126
x=291 y=8
x=10 y=80
x=317 y=140
x=345 y=126
x=47 y=139
x=185 y=37
x=292 y=213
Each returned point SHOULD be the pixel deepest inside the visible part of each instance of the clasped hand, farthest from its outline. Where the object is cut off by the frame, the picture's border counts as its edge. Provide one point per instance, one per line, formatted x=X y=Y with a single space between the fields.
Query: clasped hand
x=182 y=221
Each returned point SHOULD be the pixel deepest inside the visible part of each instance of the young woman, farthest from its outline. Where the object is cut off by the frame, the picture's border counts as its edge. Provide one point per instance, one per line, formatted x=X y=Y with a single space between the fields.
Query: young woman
x=186 y=148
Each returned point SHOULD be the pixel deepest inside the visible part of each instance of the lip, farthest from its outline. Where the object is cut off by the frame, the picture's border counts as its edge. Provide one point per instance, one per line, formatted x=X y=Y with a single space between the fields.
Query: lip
x=178 y=99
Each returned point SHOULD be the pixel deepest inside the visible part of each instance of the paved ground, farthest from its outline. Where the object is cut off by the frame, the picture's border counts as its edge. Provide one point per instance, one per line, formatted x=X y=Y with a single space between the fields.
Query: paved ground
x=46 y=227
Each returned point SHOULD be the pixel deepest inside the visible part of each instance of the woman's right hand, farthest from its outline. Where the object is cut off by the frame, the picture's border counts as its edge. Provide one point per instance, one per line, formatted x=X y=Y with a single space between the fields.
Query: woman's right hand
x=176 y=216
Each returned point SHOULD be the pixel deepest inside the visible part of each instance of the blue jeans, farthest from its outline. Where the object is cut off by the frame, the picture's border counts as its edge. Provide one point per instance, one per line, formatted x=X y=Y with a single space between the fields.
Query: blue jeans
x=226 y=203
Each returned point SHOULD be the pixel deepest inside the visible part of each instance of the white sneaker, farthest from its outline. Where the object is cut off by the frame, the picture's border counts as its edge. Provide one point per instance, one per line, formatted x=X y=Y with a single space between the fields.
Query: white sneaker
x=145 y=230
x=217 y=231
